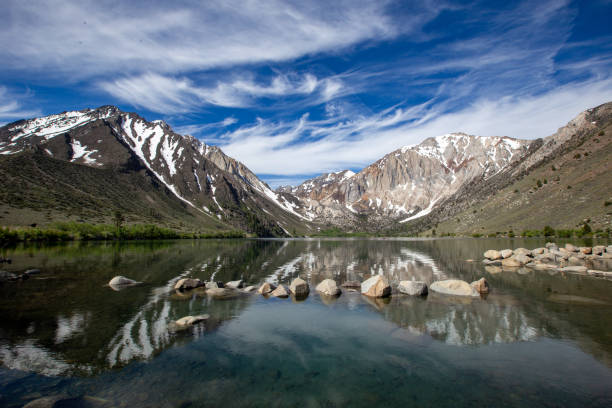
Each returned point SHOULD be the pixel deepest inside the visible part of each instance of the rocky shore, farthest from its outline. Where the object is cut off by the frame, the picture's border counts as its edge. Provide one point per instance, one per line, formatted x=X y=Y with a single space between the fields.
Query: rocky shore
x=595 y=261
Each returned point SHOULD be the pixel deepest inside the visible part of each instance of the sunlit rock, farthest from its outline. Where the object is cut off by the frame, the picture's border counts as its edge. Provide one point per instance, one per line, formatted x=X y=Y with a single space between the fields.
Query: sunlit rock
x=281 y=292
x=376 y=286
x=453 y=287
x=328 y=287
x=413 y=288
x=299 y=287
x=188 y=283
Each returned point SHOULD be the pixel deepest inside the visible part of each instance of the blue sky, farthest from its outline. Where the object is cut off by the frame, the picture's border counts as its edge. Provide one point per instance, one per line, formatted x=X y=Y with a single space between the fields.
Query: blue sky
x=296 y=88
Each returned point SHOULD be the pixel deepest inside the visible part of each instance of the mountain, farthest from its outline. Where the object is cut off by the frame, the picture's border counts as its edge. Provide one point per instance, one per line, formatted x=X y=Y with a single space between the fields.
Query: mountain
x=108 y=159
x=416 y=187
x=407 y=183
x=563 y=181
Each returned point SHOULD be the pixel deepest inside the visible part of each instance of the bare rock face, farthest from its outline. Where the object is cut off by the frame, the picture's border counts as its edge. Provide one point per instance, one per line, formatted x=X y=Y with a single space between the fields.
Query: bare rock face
x=413 y=288
x=406 y=183
x=328 y=287
x=481 y=285
x=493 y=255
x=266 y=288
x=376 y=286
x=299 y=287
x=188 y=284
x=454 y=287
x=281 y=292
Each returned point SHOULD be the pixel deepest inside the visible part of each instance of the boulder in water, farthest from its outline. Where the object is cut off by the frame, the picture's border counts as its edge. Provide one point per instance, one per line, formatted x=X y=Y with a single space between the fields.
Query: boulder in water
x=188 y=283
x=281 y=292
x=299 y=287
x=492 y=255
x=266 y=288
x=376 y=286
x=506 y=253
x=121 y=281
x=454 y=287
x=413 y=288
x=328 y=287
x=481 y=285
x=237 y=284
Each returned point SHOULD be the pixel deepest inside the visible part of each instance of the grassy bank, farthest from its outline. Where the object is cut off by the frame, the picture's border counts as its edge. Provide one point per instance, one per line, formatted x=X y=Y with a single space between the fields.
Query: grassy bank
x=72 y=231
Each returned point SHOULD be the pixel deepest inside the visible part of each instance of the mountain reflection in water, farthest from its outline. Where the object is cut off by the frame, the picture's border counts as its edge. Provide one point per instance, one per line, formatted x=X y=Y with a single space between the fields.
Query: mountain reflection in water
x=66 y=321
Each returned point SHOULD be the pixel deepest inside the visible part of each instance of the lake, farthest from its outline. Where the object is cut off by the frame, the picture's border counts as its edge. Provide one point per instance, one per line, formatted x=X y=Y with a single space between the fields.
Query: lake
x=538 y=339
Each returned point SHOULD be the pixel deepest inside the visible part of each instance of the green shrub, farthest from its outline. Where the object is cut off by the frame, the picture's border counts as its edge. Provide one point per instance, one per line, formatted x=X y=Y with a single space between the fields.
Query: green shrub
x=548 y=231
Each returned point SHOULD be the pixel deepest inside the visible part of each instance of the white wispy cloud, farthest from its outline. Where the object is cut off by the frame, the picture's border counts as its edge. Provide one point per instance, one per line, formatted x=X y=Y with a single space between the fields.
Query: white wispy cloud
x=307 y=146
x=83 y=38
x=170 y=95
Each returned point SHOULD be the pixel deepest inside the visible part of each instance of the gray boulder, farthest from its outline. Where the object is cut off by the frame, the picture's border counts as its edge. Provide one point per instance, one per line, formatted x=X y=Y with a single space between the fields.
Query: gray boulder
x=328 y=287
x=506 y=253
x=222 y=293
x=413 y=288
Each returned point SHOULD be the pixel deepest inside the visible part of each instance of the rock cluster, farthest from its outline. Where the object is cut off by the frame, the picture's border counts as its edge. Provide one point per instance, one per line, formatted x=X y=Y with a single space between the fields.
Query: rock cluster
x=569 y=258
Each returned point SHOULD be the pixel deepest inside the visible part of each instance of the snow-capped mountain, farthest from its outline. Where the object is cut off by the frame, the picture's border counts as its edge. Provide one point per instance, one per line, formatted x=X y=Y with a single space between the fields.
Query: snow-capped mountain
x=407 y=183
x=199 y=175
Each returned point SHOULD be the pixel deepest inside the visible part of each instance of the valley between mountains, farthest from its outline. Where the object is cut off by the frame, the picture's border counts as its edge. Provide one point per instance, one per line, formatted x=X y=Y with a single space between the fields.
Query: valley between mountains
x=85 y=166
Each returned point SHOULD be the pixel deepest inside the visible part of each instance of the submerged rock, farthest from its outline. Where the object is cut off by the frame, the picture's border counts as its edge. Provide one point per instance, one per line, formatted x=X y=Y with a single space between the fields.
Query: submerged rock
x=299 y=287
x=328 y=287
x=119 y=281
x=376 y=286
x=188 y=283
x=191 y=320
x=574 y=269
x=281 y=292
x=602 y=274
x=266 y=288
x=454 y=287
x=7 y=276
x=412 y=288
x=222 y=293
x=481 y=285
